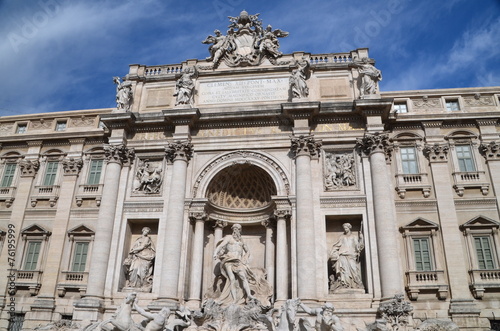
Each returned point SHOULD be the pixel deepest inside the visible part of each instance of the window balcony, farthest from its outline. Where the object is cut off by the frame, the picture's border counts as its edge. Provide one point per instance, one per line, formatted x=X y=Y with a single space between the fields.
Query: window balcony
x=412 y=182
x=72 y=281
x=8 y=195
x=91 y=192
x=484 y=279
x=50 y=193
x=29 y=279
x=472 y=179
x=426 y=281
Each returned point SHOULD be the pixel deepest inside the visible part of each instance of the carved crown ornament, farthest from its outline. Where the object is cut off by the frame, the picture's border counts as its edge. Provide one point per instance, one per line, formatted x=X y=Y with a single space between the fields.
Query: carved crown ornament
x=179 y=150
x=247 y=42
x=72 y=166
x=118 y=154
x=29 y=167
x=491 y=150
x=305 y=145
x=373 y=142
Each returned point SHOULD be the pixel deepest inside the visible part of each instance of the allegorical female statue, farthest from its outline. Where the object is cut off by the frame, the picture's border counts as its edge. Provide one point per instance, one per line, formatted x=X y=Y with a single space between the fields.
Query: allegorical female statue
x=345 y=257
x=139 y=263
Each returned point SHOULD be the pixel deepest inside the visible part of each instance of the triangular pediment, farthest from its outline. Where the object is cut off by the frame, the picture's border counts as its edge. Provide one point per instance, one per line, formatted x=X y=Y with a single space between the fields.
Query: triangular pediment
x=420 y=224
x=35 y=230
x=81 y=230
x=481 y=222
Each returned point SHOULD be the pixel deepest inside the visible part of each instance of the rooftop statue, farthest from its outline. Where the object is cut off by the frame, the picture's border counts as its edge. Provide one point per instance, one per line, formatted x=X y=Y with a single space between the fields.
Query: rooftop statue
x=246 y=42
x=123 y=94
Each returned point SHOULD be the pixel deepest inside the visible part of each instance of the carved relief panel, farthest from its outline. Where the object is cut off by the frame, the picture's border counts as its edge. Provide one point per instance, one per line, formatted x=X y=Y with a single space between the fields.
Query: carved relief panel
x=339 y=171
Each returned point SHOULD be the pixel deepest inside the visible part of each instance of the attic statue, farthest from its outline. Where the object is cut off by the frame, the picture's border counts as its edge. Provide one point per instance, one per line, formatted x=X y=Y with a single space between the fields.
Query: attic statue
x=370 y=76
x=123 y=94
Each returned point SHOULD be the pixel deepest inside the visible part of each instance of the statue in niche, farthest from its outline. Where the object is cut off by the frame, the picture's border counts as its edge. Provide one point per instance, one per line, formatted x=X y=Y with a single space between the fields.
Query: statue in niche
x=149 y=178
x=298 y=85
x=185 y=87
x=370 y=76
x=139 y=263
x=242 y=284
x=325 y=319
x=345 y=258
x=123 y=94
x=340 y=171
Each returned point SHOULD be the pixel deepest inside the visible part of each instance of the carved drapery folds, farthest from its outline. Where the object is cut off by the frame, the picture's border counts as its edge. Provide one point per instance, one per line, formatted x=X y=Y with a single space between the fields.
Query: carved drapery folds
x=179 y=150
x=340 y=171
x=374 y=142
x=72 y=166
x=118 y=154
x=297 y=80
x=306 y=145
x=29 y=167
x=436 y=152
x=490 y=151
x=246 y=42
x=123 y=94
x=396 y=312
x=184 y=87
x=149 y=177
x=370 y=76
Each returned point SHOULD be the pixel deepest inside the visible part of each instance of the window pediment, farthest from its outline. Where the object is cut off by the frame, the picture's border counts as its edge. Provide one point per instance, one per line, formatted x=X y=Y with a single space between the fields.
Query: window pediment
x=480 y=223
x=35 y=230
x=420 y=224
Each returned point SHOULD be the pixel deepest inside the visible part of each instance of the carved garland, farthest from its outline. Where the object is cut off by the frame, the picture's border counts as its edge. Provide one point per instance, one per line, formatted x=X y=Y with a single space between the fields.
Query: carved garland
x=241 y=154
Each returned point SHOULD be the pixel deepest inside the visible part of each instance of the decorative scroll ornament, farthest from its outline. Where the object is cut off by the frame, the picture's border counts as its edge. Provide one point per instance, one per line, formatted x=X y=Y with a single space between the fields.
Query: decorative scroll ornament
x=436 y=152
x=118 y=154
x=340 y=171
x=306 y=145
x=72 y=166
x=246 y=42
x=123 y=94
x=149 y=178
x=179 y=150
x=396 y=311
x=372 y=143
x=491 y=150
x=29 y=167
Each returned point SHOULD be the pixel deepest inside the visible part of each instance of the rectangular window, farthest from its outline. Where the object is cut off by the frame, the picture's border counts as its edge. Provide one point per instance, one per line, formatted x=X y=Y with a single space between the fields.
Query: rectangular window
x=422 y=254
x=409 y=160
x=50 y=173
x=21 y=128
x=80 y=256
x=452 y=105
x=95 y=172
x=32 y=253
x=484 y=253
x=60 y=126
x=465 y=160
x=400 y=108
x=8 y=174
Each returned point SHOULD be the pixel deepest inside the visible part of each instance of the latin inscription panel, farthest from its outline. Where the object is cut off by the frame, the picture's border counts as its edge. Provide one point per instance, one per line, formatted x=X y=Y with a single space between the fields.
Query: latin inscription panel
x=249 y=90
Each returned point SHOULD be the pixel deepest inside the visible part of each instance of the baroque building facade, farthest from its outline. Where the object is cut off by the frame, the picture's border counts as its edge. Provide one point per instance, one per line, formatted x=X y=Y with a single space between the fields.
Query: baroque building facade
x=341 y=194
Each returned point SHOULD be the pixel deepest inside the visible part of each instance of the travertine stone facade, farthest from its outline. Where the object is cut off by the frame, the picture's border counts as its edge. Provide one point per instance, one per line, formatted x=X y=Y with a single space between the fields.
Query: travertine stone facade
x=189 y=153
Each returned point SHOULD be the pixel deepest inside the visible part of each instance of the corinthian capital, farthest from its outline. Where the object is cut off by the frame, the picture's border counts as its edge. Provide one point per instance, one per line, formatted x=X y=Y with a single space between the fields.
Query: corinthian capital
x=29 y=167
x=118 y=154
x=436 y=152
x=72 y=166
x=373 y=142
x=179 y=150
x=306 y=145
x=490 y=151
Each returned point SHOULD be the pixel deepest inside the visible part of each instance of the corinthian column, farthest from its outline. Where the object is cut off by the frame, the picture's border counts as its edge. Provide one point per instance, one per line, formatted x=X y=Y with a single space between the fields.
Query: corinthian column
x=391 y=278
x=116 y=156
x=196 y=276
x=281 y=215
x=179 y=153
x=270 y=250
x=305 y=147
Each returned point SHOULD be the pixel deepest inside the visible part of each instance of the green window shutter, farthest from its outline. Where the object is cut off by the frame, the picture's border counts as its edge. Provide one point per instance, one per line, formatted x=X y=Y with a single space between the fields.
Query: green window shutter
x=95 y=172
x=32 y=254
x=80 y=256
x=8 y=174
x=484 y=253
x=409 y=160
x=50 y=173
x=422 y=254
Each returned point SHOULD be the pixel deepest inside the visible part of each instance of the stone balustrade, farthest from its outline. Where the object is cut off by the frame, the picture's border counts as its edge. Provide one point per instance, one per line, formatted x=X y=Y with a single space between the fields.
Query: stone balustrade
x=484 y=279
x=426 y=281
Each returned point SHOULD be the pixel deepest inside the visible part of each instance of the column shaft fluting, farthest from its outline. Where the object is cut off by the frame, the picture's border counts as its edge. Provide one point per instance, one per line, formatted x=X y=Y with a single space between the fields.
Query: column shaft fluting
x=281 y=260
x=197 y=260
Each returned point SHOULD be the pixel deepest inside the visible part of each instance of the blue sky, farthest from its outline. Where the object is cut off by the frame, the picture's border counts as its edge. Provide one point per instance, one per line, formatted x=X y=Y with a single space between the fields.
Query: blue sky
x=58 y=55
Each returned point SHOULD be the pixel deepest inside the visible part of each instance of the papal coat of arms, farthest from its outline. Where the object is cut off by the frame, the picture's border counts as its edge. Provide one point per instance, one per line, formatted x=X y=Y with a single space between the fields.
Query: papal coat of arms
x=246 y=42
